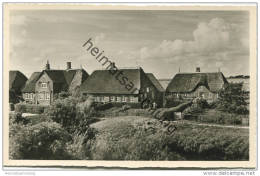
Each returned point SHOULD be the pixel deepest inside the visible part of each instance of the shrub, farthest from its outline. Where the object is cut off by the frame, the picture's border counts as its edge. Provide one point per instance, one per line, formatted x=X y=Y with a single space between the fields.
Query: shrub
x=45 y=140
x=218 y=117
x=63 y=94
x=232 y=99
x=72 y=114
x=80 y=145
x=102 y=106
x=30 y=108
x=18 y=118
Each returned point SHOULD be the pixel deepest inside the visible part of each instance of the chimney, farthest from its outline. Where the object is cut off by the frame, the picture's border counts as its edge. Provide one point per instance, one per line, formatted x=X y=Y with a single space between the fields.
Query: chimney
x=197 y=69
x=47 y=66
x=68 y=65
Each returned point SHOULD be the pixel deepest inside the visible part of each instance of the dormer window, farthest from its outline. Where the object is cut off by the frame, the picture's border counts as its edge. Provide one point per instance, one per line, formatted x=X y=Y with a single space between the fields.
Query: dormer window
x=44 y=85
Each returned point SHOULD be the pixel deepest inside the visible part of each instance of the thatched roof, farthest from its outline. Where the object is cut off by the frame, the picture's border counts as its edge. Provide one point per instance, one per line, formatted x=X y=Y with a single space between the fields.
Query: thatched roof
x=102 y=81
x=30 y=84
x=17 y=80
x=164 y=82
x=155 y=82
x=188 y=82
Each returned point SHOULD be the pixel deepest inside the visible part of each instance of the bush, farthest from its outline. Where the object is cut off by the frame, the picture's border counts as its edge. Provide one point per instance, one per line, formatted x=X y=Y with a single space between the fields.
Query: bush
x=72 y=114
x=102 y=106
x=18 y=118
x=30 y=108
x=45 y=140
x=217 y=117
x=80 y=145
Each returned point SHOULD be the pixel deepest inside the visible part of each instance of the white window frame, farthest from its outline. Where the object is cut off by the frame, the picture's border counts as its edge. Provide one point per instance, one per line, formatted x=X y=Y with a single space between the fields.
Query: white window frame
x=43 y=85
x=118 y=99
x=131 y=99
x=47 y=96
x=124 y=99
x=147 y=89
x=106 y=98
x=112 y=98
x=95 y=99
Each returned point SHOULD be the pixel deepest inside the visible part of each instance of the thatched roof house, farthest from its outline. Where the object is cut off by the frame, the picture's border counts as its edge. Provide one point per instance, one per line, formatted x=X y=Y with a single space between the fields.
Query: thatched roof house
x=17 y=81
x=128 y=85
x=197 y=84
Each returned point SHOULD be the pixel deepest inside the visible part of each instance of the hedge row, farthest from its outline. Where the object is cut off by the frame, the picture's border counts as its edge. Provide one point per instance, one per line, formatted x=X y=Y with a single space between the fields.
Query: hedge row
x=30 y=108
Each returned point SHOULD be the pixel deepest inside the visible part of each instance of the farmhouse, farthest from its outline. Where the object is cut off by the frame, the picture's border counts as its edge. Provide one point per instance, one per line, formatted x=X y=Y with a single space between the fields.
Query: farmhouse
x=42 y=86
x=17 y=81
x=105 y=87
x=192 y=85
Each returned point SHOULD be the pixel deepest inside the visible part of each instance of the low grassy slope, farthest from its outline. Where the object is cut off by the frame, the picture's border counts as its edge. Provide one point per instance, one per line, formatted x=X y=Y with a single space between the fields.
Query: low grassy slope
x=143 y=138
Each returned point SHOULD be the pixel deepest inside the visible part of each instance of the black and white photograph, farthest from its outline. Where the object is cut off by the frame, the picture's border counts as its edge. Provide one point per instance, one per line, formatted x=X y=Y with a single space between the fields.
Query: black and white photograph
x=114 y=84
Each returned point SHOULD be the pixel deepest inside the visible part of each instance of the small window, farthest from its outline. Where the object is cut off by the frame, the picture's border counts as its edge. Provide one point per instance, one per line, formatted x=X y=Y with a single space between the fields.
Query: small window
x=101 y=98
x=47 y=96
x=96 y=98
x=44 y=85
x=147 y=89
x=118 y=99
x=106 y=99
x=124 y=99
x=112 y=98
x=131 y=99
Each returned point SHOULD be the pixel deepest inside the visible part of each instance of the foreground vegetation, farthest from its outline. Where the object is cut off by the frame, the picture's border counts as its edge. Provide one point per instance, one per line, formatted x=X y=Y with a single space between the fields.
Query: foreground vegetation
x=139 y=138
x=68 y=130
x=74 y=128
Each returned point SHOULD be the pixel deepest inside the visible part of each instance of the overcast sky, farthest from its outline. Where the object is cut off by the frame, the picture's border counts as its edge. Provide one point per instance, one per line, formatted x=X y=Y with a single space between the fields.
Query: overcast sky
x=158 y=41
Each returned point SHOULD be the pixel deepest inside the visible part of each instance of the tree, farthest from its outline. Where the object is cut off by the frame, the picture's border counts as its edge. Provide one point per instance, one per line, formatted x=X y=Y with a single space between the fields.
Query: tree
x=231 y=99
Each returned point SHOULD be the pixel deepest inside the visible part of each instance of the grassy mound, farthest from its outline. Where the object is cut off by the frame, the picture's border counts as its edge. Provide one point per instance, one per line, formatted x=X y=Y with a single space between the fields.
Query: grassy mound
x=142 y=138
